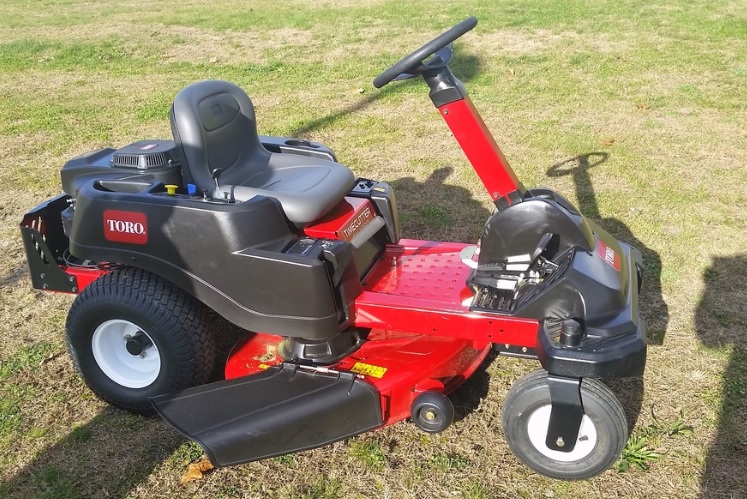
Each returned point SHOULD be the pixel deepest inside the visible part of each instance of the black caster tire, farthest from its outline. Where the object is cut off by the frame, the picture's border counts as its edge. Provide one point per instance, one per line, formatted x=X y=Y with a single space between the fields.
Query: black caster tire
x=131 y=336
x=603 y=433
x=432 y=412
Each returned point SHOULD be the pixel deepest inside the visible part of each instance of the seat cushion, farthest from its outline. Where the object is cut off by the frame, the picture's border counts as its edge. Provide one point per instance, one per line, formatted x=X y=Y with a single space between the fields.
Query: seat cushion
x=305 y=187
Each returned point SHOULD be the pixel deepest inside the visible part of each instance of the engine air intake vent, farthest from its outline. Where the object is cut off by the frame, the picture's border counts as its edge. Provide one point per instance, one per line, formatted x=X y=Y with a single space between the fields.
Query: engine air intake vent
x=146 y=154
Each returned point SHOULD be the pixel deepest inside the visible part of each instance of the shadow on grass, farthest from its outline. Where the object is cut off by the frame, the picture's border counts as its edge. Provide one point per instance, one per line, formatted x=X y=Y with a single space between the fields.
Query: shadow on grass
x=467 y=397
x=107 y=457
x=721 y=320
x=464 y=66
x=114 y=452
x=433 y=209
x=14 y=276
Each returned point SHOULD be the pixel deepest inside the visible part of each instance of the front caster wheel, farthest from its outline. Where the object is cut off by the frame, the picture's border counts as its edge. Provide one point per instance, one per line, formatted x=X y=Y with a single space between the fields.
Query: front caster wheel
x=601 y=438
x=132 y=336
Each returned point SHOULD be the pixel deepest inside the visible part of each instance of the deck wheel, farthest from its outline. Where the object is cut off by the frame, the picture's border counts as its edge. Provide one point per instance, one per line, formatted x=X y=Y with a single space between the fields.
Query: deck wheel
x=432 y=412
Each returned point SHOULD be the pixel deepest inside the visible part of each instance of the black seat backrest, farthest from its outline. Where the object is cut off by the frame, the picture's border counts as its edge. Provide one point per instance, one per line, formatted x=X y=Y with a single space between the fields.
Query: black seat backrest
x=214 y=127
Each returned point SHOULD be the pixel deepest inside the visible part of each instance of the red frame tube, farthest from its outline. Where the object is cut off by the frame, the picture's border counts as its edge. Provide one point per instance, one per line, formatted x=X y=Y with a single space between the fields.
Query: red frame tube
x=481 y=149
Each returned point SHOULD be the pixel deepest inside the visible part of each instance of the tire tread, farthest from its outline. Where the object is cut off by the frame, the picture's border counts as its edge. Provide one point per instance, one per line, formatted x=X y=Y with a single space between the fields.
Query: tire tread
x=182 y=317
x=529 y=385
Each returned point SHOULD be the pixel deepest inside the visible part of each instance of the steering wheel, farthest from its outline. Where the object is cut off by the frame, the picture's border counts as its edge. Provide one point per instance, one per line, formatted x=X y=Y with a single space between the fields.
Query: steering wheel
x=413 y=63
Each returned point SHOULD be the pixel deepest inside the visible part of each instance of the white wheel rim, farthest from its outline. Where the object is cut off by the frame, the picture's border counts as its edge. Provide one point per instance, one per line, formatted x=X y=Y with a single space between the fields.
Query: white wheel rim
x=538 y=425
x=109 y=345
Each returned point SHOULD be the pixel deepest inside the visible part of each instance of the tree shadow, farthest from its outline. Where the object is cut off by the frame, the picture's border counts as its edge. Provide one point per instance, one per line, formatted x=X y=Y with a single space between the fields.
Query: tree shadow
x=721 y=321
x=107 y=457
x=653 y=308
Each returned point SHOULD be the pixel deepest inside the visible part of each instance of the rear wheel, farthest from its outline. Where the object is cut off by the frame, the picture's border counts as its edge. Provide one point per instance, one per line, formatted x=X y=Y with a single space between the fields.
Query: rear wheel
x=601 y=438
x=132 y=335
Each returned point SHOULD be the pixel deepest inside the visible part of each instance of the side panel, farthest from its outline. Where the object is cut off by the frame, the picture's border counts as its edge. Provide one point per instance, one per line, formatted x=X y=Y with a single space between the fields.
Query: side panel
x=344 y=221
x=230 y=256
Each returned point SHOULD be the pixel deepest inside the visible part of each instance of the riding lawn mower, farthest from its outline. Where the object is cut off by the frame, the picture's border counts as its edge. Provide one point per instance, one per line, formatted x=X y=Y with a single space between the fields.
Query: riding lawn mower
x=349 y=326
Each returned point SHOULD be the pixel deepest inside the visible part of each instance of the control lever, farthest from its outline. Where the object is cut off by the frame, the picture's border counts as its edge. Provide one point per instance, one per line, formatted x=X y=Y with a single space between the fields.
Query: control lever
x=216 y=175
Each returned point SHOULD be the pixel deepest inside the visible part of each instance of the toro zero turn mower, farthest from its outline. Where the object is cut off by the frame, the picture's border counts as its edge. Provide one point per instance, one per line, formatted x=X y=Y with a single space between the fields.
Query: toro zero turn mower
x=350 y=328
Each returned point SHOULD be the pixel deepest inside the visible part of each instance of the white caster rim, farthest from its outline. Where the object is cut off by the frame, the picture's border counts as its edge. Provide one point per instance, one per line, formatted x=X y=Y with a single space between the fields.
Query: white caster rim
x=538 y=425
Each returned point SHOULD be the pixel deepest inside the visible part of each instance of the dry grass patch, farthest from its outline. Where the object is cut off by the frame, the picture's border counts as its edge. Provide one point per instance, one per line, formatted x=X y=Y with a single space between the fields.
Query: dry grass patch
x=338 y=4
x=657 y=78
x=516 y=42
x=195 y=45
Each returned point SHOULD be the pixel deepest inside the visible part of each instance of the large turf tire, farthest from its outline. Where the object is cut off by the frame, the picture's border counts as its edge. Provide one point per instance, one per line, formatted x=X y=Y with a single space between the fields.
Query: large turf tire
x=178 y=350
x=603 y=433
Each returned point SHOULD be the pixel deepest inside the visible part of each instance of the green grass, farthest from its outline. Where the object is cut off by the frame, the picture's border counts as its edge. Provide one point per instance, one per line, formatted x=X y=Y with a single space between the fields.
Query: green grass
x=369 y=454
x=656 y=87
x=446 y=462
x=643 y=448
x=28 y=359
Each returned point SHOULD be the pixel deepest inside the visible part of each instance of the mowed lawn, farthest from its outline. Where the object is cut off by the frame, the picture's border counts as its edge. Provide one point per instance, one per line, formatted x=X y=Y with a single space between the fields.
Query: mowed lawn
x=635 y=110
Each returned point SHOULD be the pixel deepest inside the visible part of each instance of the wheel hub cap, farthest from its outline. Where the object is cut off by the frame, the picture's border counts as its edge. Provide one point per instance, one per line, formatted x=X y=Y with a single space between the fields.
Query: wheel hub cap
x=125 y=353
x=537 y=427
x=136 y=345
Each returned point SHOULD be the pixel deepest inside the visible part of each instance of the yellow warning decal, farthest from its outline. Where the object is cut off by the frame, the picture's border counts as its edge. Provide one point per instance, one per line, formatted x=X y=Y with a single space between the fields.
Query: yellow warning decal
x=368 y=370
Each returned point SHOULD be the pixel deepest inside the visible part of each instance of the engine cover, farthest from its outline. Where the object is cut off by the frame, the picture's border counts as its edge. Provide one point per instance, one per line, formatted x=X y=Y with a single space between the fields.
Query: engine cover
x=147 y=160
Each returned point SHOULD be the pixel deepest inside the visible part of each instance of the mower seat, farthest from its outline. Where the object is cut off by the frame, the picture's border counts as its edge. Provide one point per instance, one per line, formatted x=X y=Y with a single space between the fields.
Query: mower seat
x=214 y=129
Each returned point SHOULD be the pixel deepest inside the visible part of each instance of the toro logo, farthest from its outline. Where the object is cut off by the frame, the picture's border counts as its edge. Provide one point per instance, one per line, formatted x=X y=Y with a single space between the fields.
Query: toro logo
x=609 y=255
x=125 y=227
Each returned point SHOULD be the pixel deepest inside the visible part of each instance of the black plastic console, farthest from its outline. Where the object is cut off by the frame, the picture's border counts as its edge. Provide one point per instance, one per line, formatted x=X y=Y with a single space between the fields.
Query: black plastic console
x=543 y=260
x=156 y=160
x=610 y=346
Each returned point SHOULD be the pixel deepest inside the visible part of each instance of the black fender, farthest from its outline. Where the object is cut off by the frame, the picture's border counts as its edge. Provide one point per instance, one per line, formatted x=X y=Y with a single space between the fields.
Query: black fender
x=231 y=256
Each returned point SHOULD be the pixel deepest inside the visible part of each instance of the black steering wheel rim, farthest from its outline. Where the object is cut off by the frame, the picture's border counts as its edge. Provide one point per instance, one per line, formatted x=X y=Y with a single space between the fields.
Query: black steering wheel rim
x=414 y=61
